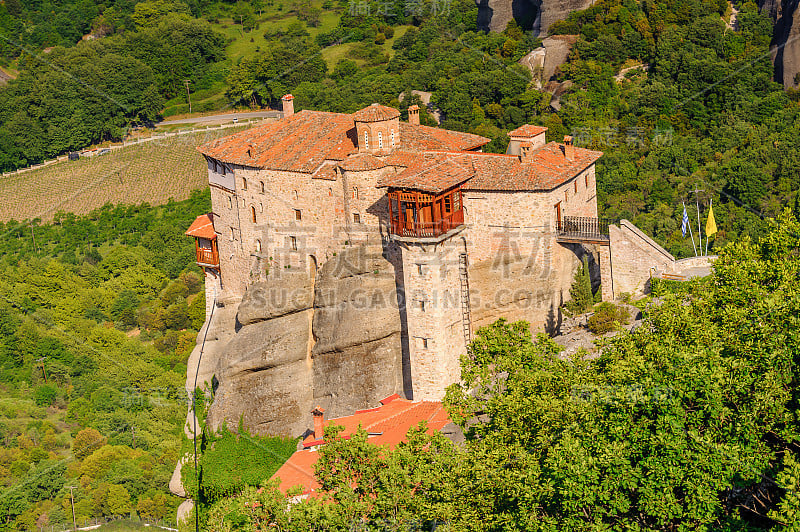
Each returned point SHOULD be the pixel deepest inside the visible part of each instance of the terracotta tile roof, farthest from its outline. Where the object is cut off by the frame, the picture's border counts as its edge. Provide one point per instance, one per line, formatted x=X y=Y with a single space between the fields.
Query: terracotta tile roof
x=527 y=130
x=434 y=177
x=546 y=170
x=402 y=158
x=361 y=162
x=424 y=138
x=326 y=171
x=299 y=143
x=375 y=113
x=387 y=424
x=202 y=227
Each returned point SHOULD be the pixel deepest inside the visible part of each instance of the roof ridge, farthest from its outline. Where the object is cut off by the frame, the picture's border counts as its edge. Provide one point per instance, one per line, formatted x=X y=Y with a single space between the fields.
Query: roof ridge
x=411 y=406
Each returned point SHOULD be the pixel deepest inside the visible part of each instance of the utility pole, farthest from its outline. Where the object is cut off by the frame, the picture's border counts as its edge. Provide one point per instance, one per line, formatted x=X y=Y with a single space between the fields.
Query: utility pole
x=697 y=201
x=188 y=96
x=72 y=500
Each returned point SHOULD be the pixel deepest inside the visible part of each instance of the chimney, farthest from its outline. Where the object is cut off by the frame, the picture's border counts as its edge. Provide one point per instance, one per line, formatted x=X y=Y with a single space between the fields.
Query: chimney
x=569 y=149
x=319 y=422
x=525 y=150
x=288 y=105
x=413 y=115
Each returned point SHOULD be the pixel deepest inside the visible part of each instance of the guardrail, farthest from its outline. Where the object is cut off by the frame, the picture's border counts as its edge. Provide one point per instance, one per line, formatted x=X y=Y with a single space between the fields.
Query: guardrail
x=583 y=228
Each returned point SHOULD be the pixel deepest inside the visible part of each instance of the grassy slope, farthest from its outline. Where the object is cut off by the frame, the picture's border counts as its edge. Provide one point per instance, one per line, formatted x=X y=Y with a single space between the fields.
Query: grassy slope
x=151 y=172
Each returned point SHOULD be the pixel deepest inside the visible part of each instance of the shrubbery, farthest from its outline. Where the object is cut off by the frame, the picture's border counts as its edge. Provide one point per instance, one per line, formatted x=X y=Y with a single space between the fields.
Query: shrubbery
x=608 y=317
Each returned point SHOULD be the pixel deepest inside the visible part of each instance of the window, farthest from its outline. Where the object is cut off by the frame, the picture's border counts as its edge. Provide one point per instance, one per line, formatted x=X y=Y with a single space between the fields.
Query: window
x=295 y=194
x=293 y=243
x=576 y=186
x=244 y=184
x=420 y=269
x=422 y=343
x=262 y=187
x=356 y=218
x=586 y=180
x=330 y=192
x=366 y=140
x=566 y=195
x=223 y=169
x=393 y=138
x=233 y=234
x=258 y=246
x=456 y=201
x=380 y=140
x=420 y=305
x=298 y=214
x=448 y=204
x=253 y=214
x=230 y=203
x=355 y=192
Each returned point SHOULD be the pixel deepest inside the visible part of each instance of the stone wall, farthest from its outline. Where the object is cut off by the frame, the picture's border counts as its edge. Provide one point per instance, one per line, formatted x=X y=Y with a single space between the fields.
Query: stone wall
x=634 y=258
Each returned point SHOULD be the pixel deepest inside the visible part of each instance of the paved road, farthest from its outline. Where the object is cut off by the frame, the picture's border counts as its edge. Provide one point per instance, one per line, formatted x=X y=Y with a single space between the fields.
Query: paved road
x=222 y=118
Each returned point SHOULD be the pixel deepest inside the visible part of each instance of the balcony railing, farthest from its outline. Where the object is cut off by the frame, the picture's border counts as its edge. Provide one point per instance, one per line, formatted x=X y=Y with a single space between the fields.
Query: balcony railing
x=207 y=257
x=416 y=229
x=581 y=228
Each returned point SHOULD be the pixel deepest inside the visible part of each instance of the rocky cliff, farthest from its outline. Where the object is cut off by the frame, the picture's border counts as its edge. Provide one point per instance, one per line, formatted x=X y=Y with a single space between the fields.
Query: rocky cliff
x=535 y=15
x=330 y=338
x=785 y=47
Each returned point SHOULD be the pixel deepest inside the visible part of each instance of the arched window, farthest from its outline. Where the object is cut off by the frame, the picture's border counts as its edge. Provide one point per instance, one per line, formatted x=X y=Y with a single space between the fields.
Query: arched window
x=380 y=140
x=330 y=192
x=262 y=187
x=355 y=192
x=366 y=140
x=230 y=203
x=258 y=246
x=253 y=213
x=244 y=184
x=233 y=234
x=392 y=138
x=295 y=194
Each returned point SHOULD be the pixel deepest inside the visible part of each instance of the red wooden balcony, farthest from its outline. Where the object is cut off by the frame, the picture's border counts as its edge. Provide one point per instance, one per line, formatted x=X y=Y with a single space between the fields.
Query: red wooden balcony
x=416 y=214
x=205 y=241
x=208 y=257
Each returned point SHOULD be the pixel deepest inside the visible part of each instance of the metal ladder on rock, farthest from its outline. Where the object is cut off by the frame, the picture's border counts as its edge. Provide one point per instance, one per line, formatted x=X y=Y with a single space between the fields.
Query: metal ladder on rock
x=466 y=318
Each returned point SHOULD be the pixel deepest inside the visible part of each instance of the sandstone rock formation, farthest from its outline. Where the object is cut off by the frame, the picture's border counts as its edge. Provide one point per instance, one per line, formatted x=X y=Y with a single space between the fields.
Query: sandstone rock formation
x=785 y=47
x=357 y=357
x=332 y=340
x=537 y=15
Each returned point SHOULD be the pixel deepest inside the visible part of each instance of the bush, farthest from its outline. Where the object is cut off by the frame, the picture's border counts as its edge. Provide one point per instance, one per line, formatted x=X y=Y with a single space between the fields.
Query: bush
x=607 y=317
x=45 y=395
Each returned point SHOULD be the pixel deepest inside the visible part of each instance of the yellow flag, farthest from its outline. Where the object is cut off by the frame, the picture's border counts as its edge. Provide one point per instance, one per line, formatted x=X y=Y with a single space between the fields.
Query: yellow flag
x=711 y=224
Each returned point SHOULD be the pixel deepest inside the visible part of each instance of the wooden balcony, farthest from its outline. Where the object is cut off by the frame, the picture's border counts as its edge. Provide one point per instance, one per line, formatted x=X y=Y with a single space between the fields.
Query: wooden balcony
x=579 y=229
x=416 y=214
x=207 y=257
x=420 y=229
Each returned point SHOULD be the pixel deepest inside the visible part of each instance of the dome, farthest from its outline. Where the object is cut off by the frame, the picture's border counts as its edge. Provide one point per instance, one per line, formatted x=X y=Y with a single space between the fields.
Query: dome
x=375 y=113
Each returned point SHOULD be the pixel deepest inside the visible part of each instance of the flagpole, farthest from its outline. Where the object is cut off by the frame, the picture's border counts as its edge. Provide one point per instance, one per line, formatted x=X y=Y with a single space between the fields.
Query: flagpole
x=690 y=231
x=710 y=202
x=699 y=229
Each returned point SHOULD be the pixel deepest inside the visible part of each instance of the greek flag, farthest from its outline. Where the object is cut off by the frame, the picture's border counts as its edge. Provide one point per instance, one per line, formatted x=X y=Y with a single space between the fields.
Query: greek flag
x=685 y=222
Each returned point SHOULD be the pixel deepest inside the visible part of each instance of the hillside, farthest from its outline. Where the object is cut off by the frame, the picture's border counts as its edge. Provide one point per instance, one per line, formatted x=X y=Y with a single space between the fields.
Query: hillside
x=150 y=172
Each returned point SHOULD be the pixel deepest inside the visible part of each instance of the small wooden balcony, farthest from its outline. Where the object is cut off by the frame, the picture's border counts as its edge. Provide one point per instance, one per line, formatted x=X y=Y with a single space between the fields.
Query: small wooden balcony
x=205 y=241
x=419 y=215
x=208 y=257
